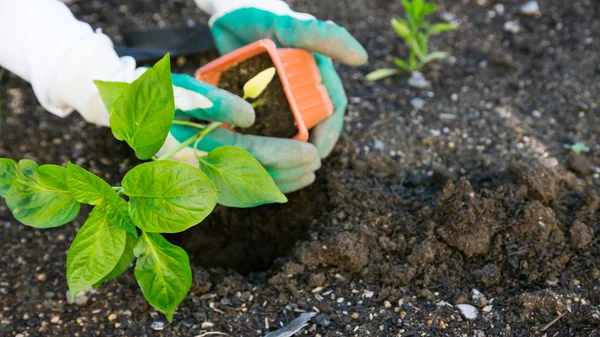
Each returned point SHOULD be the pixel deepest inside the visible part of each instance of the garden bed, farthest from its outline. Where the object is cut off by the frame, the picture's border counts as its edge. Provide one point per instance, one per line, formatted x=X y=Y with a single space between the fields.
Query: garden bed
x=415 y=208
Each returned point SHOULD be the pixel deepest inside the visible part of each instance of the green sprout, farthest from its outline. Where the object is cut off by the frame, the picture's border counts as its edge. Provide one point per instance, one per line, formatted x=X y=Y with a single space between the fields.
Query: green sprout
x=160 y=196
x=578 y=147
x=256 y=85
x=415 y=30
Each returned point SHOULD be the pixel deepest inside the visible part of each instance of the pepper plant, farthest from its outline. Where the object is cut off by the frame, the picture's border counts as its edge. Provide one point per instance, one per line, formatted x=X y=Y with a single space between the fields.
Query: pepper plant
x=158 y=196
x=415 y=30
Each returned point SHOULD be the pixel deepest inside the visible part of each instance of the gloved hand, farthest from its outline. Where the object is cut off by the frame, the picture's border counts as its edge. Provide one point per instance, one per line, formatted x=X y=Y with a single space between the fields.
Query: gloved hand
x=291 y=163
x=236 y=23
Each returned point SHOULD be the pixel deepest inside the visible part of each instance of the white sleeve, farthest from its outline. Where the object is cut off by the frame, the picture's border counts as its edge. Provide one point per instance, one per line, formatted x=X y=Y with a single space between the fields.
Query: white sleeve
x=42 y=42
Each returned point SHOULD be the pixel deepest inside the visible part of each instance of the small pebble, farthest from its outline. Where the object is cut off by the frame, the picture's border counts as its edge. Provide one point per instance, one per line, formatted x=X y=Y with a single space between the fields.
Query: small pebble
x=355 y=315
x=417 y=103
x=387 y=304
x=512 y=27
x=207 y=325
x=112 y=317
x=499 y=8
x=55 y=319
x=468 y=311
x=42 y=277
x=417 y=80
x=157 y=325
x=81 y=300
x=531 y=9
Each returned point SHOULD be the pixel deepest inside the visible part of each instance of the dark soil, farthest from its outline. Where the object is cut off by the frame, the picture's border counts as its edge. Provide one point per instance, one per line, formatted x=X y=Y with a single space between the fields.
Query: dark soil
x=470 y=200
x=274 y=117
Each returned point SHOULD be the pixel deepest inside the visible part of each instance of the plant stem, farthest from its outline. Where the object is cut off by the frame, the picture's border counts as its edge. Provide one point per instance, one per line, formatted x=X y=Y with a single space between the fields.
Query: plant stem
x=191 y=140
x=258 y=103
x=120 y=190
x=188 y=123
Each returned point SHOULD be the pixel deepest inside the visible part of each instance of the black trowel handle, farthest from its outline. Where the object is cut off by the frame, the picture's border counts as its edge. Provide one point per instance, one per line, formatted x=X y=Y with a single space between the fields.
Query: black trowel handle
x=152 y=45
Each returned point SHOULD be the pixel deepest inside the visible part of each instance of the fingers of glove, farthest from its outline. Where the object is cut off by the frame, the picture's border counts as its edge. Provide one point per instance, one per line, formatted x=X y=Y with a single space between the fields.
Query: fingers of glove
x=272 y=153
x=191 y=96
x=233 y=31
x=323 y=37
x=288 y=186
x=294 y=173
x=325 y=135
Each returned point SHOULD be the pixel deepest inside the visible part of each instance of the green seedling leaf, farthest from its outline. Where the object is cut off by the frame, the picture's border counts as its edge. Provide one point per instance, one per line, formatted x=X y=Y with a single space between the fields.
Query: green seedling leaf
x=39 y=196
x=88 y=188
x=240 y=179
x=428 y=8
x=401 y=28
x=380 y=74
x=143 y=114
x=441 y=28
x=438 y=55
x=125 y=261
x=95 y=251
x=422 y=41
x=110 y=92
x=256 y=85
x=401 y=64
x=8 y=169
x=168 y=197
x=163 y=272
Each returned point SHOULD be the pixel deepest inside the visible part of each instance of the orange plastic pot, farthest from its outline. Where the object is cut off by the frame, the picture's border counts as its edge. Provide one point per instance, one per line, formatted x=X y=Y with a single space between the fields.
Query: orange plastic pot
x=297 y=69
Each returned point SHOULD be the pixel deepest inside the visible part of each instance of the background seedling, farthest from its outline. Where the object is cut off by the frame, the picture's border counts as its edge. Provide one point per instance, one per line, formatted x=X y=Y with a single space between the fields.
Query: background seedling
x=578 y=147
x=415 y=30
x=163 y=196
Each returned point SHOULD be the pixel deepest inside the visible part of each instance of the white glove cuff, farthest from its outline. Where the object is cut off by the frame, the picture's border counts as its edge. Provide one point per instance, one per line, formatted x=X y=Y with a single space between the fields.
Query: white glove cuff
x=93 y=58
x=218 y=8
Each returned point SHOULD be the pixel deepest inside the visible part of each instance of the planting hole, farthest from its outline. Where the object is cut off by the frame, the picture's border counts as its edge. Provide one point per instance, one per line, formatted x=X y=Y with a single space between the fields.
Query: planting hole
x=251 y=239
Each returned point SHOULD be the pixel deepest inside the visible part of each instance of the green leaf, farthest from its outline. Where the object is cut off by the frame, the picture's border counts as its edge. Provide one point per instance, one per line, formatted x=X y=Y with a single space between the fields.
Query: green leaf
x=414 y=46
x=8 y=169
x=438 y=55
x=422 y=41
x=163 y=272
x=168 y=197
x=88 y=188
x=118 y=215
x=240 y=179
x=110 y=92
x=95 y=251
x=401 y=64
x=40 y=197
x=380 y=74
x=428 y=8
x=401 y=28
x=441 y=27
x=124 y=262
x=142 y=116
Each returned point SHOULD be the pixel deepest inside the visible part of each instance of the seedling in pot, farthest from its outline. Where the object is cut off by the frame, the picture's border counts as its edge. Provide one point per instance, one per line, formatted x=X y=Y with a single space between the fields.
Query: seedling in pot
x=415 y=30
x=256 y=85
x=159 y=196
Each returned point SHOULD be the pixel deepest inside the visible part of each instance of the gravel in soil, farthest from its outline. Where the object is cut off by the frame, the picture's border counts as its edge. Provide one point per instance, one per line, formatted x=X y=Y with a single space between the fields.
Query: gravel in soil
x=274 y=116
x=470 y=200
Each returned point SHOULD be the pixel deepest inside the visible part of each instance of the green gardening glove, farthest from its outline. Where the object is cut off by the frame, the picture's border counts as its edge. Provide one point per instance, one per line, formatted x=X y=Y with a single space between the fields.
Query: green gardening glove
x=236 y=23
x=291 y=163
